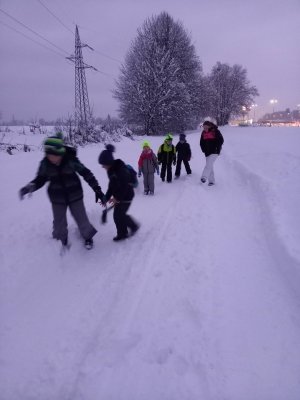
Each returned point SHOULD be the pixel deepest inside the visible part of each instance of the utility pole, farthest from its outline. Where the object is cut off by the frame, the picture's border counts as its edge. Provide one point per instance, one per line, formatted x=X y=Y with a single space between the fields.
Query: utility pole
x=83 y=116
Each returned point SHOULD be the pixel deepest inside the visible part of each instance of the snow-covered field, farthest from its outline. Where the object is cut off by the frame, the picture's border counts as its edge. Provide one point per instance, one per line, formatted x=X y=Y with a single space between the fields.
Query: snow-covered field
x=21 y=135
x=202 y=304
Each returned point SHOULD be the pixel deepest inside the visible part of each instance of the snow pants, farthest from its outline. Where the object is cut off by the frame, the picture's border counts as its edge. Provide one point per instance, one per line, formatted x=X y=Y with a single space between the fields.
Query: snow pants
x=178 y=166
x=149 y=181
x=122 y=220
x=60 y=224
x=208 y=172
x=166 y=168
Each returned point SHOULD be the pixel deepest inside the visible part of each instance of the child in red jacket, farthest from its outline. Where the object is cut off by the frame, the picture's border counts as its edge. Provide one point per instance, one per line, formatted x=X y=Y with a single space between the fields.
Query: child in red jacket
x=147 y=166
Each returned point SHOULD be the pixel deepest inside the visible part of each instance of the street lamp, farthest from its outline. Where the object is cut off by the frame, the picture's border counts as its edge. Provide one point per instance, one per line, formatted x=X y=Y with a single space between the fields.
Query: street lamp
x=298 y=112
x=253 y=106
x=244 y=112
x=273 y=102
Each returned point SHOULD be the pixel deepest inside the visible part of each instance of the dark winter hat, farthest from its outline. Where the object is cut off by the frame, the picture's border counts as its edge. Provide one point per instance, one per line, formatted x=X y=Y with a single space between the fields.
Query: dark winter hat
x=207 y=123
x=59 y=134
x=182 y=136
x=54 y=145
x=106 y=156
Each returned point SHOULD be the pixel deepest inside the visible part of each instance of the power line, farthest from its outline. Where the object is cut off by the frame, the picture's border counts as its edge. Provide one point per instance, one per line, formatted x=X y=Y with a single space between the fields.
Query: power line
x=48 y=48
x=29 y=38
x=63 y=24
x=62 y=11
x=99 y=52
x=104 y=73
x=56 y=17
x=31 y=30
x=105 y=55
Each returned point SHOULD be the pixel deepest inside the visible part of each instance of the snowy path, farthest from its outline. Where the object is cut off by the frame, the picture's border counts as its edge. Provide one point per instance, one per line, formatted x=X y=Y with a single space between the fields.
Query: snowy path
x=203 y=316
x=202 y=304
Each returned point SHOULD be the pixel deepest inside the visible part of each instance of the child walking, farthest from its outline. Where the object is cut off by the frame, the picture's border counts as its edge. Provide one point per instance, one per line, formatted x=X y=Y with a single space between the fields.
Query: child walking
x=120 y=193
x=184 y=155
x=166 y=157
x=211 y=142
x=147 y=166
x=61 y=167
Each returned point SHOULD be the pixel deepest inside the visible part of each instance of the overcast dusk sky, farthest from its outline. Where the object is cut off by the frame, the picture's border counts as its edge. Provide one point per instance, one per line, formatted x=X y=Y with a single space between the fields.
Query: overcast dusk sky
x=261 y=35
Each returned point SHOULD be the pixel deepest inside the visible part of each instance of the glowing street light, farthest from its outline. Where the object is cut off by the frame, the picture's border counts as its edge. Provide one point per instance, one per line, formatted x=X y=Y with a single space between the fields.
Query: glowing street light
x=244 y=112
x=253 y=106
x=273 y=102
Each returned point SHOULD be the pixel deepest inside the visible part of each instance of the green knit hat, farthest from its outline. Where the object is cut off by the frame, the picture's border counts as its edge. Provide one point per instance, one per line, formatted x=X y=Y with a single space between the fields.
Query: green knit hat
x=54 y=145
x=146 y=144
x=169 y=137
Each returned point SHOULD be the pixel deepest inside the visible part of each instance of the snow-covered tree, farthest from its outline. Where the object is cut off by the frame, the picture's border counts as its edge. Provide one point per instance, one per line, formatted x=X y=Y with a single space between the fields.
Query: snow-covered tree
x=159 y=87
x=229 y=92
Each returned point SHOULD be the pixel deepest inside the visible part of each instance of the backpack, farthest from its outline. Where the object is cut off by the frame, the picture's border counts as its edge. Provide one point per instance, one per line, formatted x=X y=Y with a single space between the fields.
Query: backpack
x=71 y=151
x=133 y=176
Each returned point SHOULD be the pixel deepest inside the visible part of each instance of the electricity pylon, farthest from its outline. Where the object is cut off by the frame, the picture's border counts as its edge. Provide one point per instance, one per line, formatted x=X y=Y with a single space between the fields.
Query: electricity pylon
x=83 y=117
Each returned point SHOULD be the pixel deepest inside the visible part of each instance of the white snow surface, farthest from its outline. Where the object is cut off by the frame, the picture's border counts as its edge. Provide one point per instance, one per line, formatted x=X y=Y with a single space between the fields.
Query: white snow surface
x=203 y=303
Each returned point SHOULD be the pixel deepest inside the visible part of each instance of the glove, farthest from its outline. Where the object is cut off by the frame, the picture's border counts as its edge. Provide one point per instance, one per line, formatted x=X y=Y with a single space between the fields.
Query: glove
x=99 y=195
x=159 y=162
x=28 y=189
x=174 y=162
x=139 y=174
x=157 y=171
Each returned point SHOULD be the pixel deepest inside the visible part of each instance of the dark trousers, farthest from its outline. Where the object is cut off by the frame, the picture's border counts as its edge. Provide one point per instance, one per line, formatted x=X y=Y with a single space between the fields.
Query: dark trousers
x=60 y=225
x=178 y=166
x=122 y=220
x=166 y=167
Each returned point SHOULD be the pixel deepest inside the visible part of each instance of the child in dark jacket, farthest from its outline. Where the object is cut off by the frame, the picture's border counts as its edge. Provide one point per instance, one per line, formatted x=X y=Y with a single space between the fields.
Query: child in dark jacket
x=60 y=167
x=120 y=192
x=183 y=155
x=147 y=166
x=211 y=142
x=166 y=157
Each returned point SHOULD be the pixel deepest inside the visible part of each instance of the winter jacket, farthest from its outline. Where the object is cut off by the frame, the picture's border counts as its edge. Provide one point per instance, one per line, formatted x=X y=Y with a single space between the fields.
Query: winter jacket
x=65 y=186
x=184 y=151
x=119 y=182
x=148 y=162
x=166 y=154
x=211 y=142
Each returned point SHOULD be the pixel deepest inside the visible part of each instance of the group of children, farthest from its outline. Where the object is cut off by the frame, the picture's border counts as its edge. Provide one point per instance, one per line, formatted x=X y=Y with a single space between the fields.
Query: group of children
x=149 y=163
x=61 y=167
x=211 y=142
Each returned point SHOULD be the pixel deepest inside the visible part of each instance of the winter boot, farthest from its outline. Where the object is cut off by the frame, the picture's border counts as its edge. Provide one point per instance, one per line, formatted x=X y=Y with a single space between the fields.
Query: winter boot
x=119 y=238
x=88 y=244
x=65 y=247
x=134 y=230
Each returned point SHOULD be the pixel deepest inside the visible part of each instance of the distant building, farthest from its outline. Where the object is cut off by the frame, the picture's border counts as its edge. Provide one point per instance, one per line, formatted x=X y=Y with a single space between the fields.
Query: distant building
x=287 y=117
